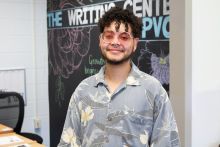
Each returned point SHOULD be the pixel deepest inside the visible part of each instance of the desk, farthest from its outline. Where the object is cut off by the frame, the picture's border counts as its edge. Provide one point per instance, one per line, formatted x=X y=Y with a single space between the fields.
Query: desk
x=9 y=138
x=5 y=129
x=15 y=140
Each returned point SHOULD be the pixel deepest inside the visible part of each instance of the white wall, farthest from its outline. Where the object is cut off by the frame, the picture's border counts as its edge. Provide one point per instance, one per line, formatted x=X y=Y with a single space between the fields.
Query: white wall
x=205 y=73
x=195 y=62
x=23 y=37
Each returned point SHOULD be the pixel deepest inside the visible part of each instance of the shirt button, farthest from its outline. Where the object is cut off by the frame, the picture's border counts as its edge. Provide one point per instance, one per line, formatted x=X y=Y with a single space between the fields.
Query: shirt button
x=109 y=118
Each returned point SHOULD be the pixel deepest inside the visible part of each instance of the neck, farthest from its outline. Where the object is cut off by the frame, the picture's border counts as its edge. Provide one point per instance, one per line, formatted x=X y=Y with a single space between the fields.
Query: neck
x=116 y=74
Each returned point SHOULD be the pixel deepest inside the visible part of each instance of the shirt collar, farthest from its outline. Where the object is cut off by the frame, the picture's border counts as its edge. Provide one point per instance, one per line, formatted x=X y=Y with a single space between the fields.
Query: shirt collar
x=99 y=77
x=132 y=79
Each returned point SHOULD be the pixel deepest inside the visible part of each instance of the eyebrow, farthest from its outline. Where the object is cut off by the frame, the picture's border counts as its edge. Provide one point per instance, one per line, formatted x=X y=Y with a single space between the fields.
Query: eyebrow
x=116 y=31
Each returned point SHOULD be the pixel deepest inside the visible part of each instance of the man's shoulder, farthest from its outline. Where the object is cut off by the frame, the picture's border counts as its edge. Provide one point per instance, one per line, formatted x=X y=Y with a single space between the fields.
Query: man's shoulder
x=146 y=78
x=149 y=82
x=89 y=81
x=153 y=87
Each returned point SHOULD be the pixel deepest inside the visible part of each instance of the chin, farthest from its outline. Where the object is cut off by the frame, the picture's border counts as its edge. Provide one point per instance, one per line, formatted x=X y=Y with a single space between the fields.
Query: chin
x=112 y=62
x=117 y=62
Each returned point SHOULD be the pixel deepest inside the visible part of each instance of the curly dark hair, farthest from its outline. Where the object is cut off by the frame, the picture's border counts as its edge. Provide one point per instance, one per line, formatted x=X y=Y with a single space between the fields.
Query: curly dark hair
x=120 y=15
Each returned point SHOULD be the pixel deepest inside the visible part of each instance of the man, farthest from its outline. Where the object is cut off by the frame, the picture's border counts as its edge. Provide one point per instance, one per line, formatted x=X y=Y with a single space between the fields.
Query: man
x=120 y=106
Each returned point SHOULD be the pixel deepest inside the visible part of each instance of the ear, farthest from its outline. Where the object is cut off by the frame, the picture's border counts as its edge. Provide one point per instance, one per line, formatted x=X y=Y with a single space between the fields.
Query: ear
x=135 y=43
x=100 y=40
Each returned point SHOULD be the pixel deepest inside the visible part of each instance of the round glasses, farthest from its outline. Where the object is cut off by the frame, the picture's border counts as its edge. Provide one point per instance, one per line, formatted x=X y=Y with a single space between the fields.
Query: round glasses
x=109 y=36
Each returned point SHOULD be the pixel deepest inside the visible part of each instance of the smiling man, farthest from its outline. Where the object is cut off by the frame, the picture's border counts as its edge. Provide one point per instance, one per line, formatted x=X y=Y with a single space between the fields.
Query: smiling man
x=120 y=106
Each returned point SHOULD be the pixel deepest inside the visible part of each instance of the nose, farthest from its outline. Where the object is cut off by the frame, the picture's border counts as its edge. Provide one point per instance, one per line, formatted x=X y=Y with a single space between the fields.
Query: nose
x=116 y=40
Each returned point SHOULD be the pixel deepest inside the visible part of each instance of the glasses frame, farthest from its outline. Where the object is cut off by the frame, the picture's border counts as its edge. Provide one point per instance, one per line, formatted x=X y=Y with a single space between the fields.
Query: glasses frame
x=118 y=34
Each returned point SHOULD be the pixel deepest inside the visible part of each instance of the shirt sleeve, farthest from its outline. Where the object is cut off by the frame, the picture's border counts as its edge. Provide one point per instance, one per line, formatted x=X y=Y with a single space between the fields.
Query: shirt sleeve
x=165 y=132
x=71 y=131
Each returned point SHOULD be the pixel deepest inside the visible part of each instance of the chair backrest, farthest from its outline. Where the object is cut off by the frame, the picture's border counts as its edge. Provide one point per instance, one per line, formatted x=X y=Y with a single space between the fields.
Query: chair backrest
x=12 y=110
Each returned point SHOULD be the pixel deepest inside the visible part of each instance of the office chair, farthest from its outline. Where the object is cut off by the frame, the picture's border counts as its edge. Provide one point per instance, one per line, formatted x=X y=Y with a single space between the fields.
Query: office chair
x=12 y=114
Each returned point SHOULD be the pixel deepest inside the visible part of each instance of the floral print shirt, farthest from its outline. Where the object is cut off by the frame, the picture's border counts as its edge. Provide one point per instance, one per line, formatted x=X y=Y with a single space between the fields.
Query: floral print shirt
x=137 y=114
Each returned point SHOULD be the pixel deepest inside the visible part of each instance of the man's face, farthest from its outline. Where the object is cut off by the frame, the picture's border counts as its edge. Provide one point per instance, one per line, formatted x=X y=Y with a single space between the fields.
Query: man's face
x=117 y=45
